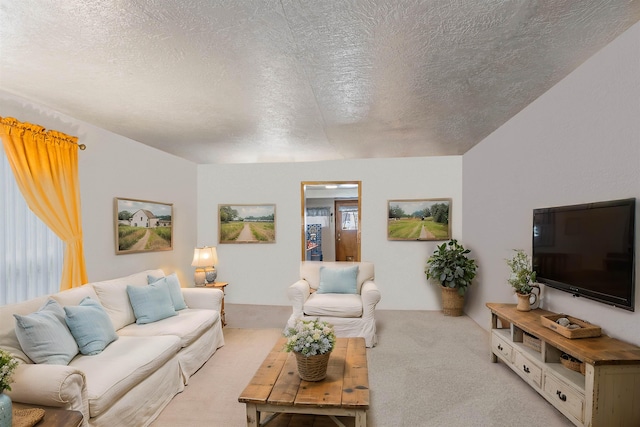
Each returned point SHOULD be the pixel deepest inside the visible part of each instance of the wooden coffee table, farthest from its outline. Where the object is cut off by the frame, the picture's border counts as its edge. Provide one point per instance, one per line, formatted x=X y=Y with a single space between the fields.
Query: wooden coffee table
x=276 y=387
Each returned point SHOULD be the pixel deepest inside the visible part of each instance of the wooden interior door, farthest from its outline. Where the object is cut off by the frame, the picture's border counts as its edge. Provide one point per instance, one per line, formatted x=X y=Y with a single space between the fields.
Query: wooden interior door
x=347 y=232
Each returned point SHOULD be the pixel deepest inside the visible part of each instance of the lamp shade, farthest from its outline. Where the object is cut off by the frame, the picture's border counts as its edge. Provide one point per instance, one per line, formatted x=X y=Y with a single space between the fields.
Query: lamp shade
x=205 y=257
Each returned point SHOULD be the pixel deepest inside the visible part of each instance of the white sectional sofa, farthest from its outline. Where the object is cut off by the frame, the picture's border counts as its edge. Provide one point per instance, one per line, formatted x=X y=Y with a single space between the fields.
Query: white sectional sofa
x=134 y=377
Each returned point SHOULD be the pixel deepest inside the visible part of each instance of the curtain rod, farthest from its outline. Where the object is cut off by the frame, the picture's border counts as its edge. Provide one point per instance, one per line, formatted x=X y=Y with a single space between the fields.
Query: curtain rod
x=15 y=123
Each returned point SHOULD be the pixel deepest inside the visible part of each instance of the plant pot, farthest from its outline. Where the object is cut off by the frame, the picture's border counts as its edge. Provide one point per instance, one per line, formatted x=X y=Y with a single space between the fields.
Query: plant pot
x=312 y=368
x=524 y=302
x=5 y=410
x=452 y=302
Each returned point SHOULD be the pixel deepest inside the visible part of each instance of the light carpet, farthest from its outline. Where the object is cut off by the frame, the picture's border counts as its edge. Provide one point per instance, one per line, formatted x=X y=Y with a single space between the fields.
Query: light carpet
x=427 y=370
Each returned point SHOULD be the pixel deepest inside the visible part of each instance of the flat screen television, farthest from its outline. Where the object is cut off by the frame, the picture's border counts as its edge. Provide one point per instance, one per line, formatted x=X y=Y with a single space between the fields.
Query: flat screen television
x=588 y=250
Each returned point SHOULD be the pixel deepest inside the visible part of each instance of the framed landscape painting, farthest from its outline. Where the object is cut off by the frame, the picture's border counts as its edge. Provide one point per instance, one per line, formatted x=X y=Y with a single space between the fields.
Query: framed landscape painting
x=142 y=226
x=247 y=223
x=423 y=219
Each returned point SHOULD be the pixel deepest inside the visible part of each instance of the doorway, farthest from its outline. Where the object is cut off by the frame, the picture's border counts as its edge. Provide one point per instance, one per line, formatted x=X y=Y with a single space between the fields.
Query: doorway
x=346 y=230
x=331 y=213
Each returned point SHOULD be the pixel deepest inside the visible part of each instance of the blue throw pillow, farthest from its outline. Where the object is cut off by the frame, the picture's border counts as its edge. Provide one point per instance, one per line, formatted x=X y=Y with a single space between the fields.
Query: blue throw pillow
x=91 y=326
x=44 y=335
x=151 y=303
x=338 y=280
x=175 y=292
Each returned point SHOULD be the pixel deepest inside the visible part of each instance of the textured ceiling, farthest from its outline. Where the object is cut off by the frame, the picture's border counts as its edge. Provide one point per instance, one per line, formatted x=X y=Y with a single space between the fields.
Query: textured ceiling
x=241 y=81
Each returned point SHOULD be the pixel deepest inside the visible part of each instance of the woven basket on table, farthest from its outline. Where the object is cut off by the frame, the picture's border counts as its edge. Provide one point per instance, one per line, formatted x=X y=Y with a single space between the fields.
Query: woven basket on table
x=532 y=342
x=572 y=363
x=312 y=368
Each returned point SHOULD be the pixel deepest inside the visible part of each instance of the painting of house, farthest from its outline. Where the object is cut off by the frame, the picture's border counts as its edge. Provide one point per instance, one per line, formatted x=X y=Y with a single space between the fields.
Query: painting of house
x=142 y=226
x=144 y=218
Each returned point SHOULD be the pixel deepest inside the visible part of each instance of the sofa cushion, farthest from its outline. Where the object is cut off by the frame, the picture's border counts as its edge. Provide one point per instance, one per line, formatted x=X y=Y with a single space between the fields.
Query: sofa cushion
x=151 y=303
x=121 y=366
x=90 y=326
x=115 y=300
x=338 y=280
x=188 y=325
x=8 y=338
x=73 y=296
x=44 y=335
x=174 y=289
x=333 y=305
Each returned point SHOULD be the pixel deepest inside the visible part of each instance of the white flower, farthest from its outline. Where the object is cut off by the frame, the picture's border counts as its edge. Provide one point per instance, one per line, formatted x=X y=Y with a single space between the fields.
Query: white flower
x=310 y=337
x=7 y=365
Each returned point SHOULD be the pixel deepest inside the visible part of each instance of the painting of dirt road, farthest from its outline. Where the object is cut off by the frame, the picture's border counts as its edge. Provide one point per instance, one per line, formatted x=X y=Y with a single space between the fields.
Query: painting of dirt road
x=428 y=219
x=247 y=223
x=143 y=226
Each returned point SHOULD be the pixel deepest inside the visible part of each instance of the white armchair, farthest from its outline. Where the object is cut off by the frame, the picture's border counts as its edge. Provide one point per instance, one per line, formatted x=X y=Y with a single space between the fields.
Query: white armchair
x=351 y=314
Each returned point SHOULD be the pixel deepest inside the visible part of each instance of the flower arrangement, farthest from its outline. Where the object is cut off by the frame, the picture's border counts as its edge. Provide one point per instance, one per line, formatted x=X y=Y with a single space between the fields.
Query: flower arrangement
x=310 y=337
x=522 y=274
x=7 y=365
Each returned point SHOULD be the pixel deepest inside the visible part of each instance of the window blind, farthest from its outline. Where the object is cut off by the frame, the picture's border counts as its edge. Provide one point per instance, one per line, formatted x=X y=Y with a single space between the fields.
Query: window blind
x=31 y=254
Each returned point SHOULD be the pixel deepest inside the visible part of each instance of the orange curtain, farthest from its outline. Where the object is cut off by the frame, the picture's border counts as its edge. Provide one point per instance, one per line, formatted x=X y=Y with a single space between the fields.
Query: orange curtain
x=45 y=164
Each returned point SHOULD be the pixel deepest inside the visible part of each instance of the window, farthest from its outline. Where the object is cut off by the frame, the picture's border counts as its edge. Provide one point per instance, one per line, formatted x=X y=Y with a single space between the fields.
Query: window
x=32 y=254
x=349 y=217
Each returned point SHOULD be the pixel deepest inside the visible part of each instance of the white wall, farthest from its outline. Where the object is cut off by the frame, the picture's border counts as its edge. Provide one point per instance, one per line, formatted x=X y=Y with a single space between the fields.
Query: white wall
x=579 y=142
x=115 y=166
x=261 y=273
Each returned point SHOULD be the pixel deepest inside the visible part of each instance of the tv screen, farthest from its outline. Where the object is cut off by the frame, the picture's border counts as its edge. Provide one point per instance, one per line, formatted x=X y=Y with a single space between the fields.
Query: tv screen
x=587 y=250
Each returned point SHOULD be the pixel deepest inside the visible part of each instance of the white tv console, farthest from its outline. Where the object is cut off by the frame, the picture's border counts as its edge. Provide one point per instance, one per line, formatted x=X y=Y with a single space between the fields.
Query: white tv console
x=608 y=394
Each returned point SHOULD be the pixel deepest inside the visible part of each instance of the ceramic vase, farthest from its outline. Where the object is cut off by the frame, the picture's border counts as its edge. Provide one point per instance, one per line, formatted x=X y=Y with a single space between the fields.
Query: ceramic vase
x=524 y=302
x=5 y=411
x=530 y=301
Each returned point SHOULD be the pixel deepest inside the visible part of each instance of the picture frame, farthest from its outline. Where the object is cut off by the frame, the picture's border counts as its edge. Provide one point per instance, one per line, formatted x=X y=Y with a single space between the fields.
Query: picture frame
x=142 y=226
x=246 y=223
x=419 y=219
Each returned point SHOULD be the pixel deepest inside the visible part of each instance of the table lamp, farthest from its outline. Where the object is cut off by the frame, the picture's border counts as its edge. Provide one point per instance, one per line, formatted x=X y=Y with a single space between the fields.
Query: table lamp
x=204 y=259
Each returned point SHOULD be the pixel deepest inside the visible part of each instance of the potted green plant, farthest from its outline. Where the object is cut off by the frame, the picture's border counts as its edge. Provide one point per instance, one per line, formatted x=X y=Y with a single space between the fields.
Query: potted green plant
x=523 y=279
x=450 y=266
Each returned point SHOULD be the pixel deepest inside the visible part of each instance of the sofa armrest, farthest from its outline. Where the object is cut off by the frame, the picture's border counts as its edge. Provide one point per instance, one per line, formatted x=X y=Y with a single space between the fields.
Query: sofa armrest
x=370 y=298
x=298 y=294
x=209 y=298
x=50 y=385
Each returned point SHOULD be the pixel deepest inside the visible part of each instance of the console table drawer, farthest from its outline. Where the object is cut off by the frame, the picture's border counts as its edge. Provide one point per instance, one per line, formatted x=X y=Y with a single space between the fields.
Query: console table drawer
x=563 y=397
x=501 y=347
x=528 y=369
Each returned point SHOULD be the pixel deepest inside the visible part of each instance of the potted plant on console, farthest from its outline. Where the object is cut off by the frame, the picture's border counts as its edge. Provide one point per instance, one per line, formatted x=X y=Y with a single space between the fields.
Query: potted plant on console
x=453 y=270
x=523 y=280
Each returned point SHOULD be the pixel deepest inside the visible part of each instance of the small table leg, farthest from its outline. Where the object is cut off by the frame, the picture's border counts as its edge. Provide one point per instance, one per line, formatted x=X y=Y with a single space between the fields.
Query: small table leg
x=361 y=419
x=494 y=325
x=253 y=416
